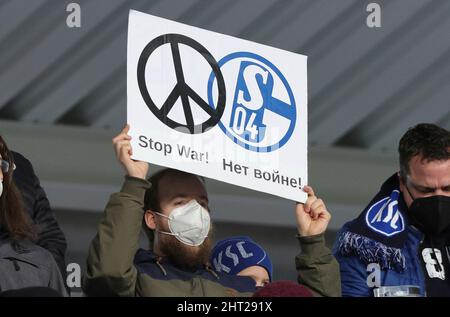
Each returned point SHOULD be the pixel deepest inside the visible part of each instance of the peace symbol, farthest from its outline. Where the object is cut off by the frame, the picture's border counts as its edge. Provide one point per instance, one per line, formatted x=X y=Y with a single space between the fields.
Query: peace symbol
x=181 y=89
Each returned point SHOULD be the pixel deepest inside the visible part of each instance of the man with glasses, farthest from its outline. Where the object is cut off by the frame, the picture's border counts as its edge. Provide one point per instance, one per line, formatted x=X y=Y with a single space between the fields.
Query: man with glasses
x=400 y=244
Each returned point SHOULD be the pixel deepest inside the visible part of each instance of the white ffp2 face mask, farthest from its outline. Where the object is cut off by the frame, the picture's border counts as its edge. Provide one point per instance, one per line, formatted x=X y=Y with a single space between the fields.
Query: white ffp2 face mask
x=189 y=223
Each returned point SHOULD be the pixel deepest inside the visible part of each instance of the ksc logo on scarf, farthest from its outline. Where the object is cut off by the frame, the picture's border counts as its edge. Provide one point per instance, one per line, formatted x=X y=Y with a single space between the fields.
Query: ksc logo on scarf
x=384 y=216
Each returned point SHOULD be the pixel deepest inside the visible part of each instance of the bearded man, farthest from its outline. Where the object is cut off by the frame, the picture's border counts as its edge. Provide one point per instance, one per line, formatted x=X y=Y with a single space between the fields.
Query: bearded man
x=172 y=207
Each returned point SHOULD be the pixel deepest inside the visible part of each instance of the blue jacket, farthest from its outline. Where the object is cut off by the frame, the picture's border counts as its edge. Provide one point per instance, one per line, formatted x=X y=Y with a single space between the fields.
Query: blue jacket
x=357 y=275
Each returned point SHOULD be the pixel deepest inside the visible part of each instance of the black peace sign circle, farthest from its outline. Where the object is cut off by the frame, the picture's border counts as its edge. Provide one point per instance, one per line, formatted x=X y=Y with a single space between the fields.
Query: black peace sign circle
x=181 y=89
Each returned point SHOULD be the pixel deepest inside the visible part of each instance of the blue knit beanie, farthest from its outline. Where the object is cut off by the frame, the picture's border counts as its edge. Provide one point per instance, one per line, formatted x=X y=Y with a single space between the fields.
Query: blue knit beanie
x=235 y=254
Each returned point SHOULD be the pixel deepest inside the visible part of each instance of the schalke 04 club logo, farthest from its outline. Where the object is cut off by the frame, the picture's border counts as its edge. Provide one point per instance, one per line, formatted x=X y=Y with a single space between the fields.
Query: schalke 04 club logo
x=260 y=113
x=181 y=89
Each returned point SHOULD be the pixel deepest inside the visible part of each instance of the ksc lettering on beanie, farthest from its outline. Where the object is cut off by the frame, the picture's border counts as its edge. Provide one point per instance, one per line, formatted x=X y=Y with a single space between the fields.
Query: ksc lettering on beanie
x=235 y=254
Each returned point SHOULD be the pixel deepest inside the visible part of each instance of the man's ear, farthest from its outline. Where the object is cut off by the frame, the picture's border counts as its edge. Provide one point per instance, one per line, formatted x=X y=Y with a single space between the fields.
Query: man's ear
x=150 y=220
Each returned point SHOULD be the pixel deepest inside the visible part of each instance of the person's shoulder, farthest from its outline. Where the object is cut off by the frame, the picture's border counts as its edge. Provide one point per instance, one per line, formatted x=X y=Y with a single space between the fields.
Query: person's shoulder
x=20 y=160
x=18 y=156
x=37 y=254
x=29 y=252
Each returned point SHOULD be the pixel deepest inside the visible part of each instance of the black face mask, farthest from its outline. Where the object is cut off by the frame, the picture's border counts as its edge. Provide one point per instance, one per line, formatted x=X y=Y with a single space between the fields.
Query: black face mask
x=431 y=214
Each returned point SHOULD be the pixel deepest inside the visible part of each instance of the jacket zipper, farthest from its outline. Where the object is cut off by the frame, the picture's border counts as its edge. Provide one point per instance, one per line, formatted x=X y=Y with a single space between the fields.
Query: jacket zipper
x=419 y=258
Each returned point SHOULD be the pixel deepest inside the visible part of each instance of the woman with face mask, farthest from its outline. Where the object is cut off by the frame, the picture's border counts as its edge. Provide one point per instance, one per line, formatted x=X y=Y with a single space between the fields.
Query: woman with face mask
x=23 y=264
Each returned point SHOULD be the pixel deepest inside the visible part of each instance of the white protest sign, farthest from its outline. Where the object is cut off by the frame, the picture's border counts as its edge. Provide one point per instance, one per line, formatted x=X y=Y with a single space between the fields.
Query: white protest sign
x=217 y=106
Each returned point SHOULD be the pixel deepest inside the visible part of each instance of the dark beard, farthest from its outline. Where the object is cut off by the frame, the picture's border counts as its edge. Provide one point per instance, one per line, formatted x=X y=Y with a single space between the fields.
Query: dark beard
x=184 y=256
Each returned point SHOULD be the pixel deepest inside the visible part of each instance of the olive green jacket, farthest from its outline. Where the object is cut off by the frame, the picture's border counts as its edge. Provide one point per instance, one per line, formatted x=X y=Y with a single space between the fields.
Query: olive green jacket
x=114 y=269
